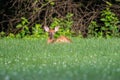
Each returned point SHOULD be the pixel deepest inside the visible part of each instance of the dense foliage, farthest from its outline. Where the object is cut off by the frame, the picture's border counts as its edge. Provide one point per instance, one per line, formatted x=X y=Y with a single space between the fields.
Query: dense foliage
x=23 y=18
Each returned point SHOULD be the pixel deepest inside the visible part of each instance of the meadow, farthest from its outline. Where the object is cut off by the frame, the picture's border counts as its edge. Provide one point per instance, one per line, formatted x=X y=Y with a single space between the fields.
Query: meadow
x=83 y=59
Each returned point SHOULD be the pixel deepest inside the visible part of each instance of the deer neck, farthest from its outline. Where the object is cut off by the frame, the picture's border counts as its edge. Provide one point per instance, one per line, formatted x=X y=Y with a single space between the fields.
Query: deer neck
x=51 y=40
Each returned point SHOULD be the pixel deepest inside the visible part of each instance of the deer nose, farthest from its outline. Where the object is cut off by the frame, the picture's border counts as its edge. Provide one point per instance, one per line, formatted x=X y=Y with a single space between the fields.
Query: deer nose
x=51 y=35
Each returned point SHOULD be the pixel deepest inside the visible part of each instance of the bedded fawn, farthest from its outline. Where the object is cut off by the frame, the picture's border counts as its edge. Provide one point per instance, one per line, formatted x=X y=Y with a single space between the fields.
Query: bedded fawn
x=51 y=39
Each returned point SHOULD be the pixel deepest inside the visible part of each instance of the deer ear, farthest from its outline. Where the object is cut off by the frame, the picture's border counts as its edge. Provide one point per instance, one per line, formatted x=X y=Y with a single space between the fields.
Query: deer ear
x=56 y=28
x=46 y=28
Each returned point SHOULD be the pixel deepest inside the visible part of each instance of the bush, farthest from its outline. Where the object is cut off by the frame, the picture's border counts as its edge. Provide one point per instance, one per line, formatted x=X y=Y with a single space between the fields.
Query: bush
x=23 y=26
x=110 y=23
x=64 y=23
x=37 y=30
x=108 y=27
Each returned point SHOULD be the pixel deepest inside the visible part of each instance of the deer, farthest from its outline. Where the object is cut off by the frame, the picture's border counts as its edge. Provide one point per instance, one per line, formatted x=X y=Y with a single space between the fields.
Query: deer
x=51 y=33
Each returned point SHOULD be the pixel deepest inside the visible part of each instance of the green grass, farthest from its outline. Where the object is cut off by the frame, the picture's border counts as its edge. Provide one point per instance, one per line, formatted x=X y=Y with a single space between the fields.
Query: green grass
x=84 y=59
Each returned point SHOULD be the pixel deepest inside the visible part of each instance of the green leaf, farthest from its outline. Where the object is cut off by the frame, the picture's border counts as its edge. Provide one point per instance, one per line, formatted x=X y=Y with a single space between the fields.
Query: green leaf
x=103 y=19
x=107 y=24
x=52 y=3
x=24 y=19
x=103 y=28
x=19 y=26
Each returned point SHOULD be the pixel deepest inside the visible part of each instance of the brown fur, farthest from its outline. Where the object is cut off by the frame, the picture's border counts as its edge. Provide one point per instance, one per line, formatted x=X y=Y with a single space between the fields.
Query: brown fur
x=61 y=39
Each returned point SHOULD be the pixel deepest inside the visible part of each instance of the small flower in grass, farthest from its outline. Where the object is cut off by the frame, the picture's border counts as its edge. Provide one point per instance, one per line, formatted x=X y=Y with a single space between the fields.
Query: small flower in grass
x=64 y=65
x=9 y=62
x=26 y=59
x=16 y=60
x=33 y=66
x=54 y=63
x=76 y=60
x=15 y=73
x=22 y=63
x=118 y=70
x=40 y=72
x=5 y=63
x=24 y=69
x=44 y=65
x=34 y=59
x=91 y=56
x=71 y=51
x=7 y=77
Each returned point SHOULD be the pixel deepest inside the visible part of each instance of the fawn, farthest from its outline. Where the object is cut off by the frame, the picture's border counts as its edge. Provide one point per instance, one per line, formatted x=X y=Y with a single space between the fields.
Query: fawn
x=51 y=33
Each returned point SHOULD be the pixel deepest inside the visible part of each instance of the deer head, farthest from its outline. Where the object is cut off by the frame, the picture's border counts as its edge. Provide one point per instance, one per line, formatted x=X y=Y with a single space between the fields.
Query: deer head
x=51 y=33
